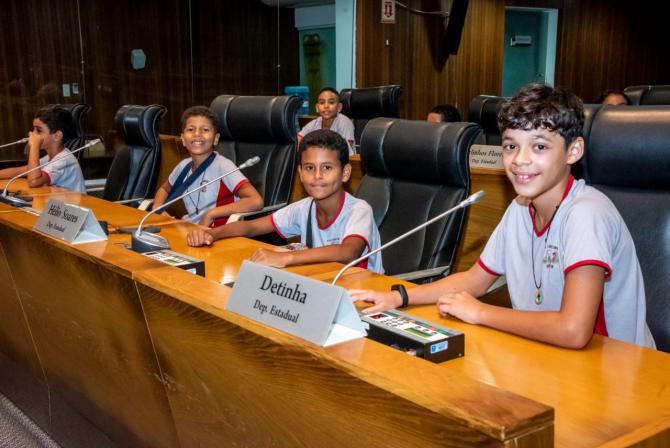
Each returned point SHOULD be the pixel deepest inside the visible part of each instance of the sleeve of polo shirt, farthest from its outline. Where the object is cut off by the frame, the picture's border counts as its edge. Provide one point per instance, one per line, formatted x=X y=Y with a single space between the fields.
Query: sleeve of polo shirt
x=289 y=220
x=589 y=235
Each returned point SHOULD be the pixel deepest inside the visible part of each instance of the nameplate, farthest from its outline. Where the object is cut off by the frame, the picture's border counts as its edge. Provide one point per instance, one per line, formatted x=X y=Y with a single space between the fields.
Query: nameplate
x=70 y=223
x=486 y=156
x=304 y=307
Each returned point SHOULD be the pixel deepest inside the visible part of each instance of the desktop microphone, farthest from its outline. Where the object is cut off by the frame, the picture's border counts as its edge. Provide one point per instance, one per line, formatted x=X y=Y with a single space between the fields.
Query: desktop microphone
x=476 y=197
x=142 y=242
x=18 y=142
x=18 y=202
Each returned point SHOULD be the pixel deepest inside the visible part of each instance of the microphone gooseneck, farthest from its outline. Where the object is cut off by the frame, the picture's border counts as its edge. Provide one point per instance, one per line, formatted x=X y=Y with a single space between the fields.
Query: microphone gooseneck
x=476 y=197
x=145 y=241
x=18 y=142
x=21 y=202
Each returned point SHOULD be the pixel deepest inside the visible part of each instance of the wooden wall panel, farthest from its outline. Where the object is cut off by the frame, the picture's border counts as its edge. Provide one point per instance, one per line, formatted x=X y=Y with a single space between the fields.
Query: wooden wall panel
x=410 y=58
x=601 y=44
x=611 y=44
x=234 y=50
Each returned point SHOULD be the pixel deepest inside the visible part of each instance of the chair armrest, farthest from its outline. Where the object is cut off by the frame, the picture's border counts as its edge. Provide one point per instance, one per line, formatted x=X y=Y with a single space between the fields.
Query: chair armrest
x=258 y=213
x=145 y=204
x=129 y=201
x=440 y=271
x=93 y=185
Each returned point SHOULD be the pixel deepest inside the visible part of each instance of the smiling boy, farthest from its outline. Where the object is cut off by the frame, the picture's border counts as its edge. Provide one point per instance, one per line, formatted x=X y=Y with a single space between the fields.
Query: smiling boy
x=333 y=224
x=568 y=257
x=328 y=106
x=210 y=206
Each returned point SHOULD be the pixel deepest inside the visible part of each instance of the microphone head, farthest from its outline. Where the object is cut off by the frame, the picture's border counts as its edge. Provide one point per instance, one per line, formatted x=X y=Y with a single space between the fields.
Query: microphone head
x=23 y=140
x=475 y=197
x=250 y=162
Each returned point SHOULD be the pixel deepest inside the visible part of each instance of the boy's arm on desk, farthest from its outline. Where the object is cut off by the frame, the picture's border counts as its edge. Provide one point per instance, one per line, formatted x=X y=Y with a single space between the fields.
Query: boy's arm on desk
x=345 y=252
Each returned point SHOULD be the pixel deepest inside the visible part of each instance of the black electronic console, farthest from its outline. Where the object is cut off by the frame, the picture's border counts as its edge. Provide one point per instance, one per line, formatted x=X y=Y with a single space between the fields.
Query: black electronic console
x=415 y=336
x=192 y=265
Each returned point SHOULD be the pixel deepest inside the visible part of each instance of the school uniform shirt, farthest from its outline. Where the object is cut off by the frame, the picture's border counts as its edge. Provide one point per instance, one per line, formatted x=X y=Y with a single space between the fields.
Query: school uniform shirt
x=341 y=124
x=64 y=171
x=353 y=220
x=215 y=195
x=587 y=229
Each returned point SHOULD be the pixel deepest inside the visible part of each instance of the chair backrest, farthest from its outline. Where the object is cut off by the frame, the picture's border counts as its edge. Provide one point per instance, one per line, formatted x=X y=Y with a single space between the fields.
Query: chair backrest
x=135 y=167
x=262 y=126
x=416 y=170
x=483 y=110
x=362 y=105
x=648 y=95
x=628 y=159
x=79 y=114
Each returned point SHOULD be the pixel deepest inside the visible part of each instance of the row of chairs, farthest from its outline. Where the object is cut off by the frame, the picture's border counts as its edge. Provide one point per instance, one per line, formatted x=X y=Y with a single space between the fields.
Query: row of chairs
x=415 y=170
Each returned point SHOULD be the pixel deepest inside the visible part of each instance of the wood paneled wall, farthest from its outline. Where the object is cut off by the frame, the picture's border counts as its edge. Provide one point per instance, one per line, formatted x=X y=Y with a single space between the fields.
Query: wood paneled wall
x=601 y=44
x=196 y=50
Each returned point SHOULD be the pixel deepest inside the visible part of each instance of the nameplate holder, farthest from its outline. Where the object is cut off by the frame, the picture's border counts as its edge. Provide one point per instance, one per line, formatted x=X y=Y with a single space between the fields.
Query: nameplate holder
x=304 y=307
x=486 y=156
x=70 y=223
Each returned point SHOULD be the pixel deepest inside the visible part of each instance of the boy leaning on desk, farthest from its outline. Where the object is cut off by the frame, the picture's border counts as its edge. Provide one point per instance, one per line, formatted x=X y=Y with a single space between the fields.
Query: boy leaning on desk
x=52 y=127
x=334 y=225
x=568 y=257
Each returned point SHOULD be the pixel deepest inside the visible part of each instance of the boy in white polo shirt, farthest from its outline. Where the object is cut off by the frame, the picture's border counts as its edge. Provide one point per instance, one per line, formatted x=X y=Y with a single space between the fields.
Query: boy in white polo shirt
x=52 y=126
x=328 y=106
x=333 y=224
x=210 y=206
x=565 y=250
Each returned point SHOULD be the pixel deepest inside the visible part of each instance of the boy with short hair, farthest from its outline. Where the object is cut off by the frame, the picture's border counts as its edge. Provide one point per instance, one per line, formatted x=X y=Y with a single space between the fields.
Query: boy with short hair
x=52 y=126
x=443 y=113
x=212 y=205
x=328 y=107
x=563 y=246
x=340 y=226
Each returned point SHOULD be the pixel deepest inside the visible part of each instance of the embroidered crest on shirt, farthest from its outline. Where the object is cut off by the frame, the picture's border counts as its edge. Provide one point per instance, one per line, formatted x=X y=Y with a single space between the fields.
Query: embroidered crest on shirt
x=550 y=256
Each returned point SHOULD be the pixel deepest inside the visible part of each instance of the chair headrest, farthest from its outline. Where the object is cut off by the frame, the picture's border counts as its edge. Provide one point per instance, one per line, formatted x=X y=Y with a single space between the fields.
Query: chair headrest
x=261 y=119
x=648 y=95
x=371 y=102
x=137 y=125
x=483 y=110
x=418 y=151
x=629 y=146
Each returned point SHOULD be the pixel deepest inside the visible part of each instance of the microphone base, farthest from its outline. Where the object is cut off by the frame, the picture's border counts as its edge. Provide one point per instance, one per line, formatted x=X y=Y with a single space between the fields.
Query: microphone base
x=148 y=242
x=16 y=201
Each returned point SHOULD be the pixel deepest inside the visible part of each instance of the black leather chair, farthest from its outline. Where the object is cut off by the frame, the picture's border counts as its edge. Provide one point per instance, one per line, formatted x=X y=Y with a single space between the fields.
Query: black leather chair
x=415 y=171
x=628 y=159
x=134 y=171
x=648 y=95
x=483 y=110
x=261 y=126
x=362 y=105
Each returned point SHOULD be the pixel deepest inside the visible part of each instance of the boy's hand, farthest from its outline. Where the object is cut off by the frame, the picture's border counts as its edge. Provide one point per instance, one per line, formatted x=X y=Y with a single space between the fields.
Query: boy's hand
x=383 y=301
x=166 y=214
x=200 y=237
x=35 y=140
x=460 y=305
x=277 y=259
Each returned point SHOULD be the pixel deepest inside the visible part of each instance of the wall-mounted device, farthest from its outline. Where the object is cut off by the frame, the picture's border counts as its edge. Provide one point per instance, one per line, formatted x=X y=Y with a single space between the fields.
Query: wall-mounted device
x=138 y=60
x=520 y=41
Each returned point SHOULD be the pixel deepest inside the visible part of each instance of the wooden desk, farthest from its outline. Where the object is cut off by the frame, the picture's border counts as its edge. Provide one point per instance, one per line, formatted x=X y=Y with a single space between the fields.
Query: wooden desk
x=148 y=353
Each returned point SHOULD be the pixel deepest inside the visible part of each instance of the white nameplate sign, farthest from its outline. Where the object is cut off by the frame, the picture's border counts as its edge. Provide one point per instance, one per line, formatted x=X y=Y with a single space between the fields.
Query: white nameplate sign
x=307 y=308
x=70 y=223
x=486 y=156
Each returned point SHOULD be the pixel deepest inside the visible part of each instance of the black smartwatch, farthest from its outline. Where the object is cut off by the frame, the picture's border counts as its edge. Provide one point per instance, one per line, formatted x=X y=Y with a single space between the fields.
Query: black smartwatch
x=403 y=293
